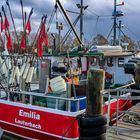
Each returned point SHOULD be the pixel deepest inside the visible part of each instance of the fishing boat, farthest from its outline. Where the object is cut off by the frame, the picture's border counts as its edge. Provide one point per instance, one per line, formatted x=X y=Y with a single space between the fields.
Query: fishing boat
x=50 y=109
x=41 y=114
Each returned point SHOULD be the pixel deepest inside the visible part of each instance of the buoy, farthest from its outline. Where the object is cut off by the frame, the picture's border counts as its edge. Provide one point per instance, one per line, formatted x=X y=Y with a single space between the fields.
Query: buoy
x=22 y=69
x=30 y=75
x=3 y=66
x=13 y=74
x=26 y=71
x=17 y=74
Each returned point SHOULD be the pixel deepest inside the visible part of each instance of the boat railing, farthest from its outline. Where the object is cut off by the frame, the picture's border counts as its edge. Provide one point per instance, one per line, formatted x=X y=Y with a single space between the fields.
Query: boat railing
x=68 y=102
x=121 y=94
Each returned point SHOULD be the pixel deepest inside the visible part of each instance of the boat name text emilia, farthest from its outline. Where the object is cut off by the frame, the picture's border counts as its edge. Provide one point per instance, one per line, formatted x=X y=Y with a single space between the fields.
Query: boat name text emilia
x=30 y=114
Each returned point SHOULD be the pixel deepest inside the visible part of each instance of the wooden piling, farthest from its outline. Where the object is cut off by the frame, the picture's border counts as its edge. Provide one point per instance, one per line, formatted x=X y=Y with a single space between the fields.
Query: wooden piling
x=137 y=74
x=96 y=78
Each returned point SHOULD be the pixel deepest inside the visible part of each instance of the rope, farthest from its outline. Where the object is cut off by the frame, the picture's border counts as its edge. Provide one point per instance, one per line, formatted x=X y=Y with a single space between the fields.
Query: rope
x=69 y=127
x=77 y=118
x=121 y=106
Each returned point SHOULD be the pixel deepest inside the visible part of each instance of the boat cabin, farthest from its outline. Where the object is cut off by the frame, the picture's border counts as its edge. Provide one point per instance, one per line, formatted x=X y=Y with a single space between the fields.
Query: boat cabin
x=109 y=58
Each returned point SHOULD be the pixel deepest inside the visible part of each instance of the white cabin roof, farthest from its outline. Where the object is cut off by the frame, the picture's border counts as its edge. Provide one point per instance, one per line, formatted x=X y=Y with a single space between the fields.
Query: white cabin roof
x=118 y=54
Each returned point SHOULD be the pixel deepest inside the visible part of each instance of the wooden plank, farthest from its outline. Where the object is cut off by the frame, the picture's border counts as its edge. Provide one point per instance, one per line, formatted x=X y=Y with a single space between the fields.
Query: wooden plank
x=120 y=137
x=132 y=135
x=128 y=125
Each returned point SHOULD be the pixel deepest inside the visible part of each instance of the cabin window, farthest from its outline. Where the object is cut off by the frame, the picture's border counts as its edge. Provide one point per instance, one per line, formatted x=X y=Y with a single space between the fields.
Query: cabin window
x=101 y=61
x=109 y=61
x=120 y=62
x=92 y=61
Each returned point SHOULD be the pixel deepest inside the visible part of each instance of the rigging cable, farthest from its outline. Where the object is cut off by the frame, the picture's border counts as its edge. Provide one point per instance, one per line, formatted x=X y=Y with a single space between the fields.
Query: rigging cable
x=69 y=31
x=96 y=25
x=110 y=32
x=101 y=16
x=131 y=32
x=52 y=16
x=97 y=20
x=63 y=16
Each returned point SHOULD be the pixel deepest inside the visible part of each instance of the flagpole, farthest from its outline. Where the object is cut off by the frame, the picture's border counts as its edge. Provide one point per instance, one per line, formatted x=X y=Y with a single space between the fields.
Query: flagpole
x=31 y=12
x=6 y=23
x=12 y=21
x=36 y=35
x=28 y=20
x=1 y=31
x=22 y=14
x=25 y=16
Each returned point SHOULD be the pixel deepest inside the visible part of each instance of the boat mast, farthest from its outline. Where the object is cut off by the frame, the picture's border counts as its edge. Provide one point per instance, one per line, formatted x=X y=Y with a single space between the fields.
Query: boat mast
x=81 y=21
x=115 y=15
x=69 y=21
x=120 y=25
x=115 y=19
x=82 y=8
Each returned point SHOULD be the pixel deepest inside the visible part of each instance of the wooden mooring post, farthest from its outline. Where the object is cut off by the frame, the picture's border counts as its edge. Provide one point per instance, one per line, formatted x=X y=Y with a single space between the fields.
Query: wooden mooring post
x=96 y=78
x=92 y=125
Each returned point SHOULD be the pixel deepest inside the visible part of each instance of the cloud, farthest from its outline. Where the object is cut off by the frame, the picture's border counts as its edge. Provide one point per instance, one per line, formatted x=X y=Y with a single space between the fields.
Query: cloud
x=92 y=26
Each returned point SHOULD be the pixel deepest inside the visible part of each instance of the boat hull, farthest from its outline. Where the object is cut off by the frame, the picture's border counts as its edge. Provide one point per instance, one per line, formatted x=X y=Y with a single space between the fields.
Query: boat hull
x=47 y=124
x=38 y=122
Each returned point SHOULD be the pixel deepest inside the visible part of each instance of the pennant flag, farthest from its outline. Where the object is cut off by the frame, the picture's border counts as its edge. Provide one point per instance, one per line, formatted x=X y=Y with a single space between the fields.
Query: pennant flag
x=43 y=34
x=42 y=30
x=28 y=27
x=46 y=40
x=9 y=42
x=6 y=24
x=23 y=42
x=42 y=37
x=39 y=47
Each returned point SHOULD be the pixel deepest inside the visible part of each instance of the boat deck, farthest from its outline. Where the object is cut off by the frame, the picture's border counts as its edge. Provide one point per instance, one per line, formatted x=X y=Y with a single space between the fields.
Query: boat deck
x=128 y=129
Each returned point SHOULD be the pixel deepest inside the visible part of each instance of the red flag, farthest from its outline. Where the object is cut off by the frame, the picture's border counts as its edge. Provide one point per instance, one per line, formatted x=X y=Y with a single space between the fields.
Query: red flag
x=23 y=42
x=6 y=24
x=43 y=34
x=28 y=27
x=42 y=31
x=9 y=42
x=39 y=47
x=45 y=39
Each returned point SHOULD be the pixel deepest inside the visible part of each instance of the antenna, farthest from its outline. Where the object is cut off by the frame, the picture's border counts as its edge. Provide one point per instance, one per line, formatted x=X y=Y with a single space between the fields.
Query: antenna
x=82 y=8
x=116 y=14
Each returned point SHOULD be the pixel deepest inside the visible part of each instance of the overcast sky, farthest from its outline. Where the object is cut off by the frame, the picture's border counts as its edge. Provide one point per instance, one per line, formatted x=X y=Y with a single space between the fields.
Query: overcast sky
x=98 y=9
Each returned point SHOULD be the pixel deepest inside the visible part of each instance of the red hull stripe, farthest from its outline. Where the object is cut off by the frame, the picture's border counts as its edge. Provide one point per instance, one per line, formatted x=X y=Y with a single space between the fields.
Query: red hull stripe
x=36 y=131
